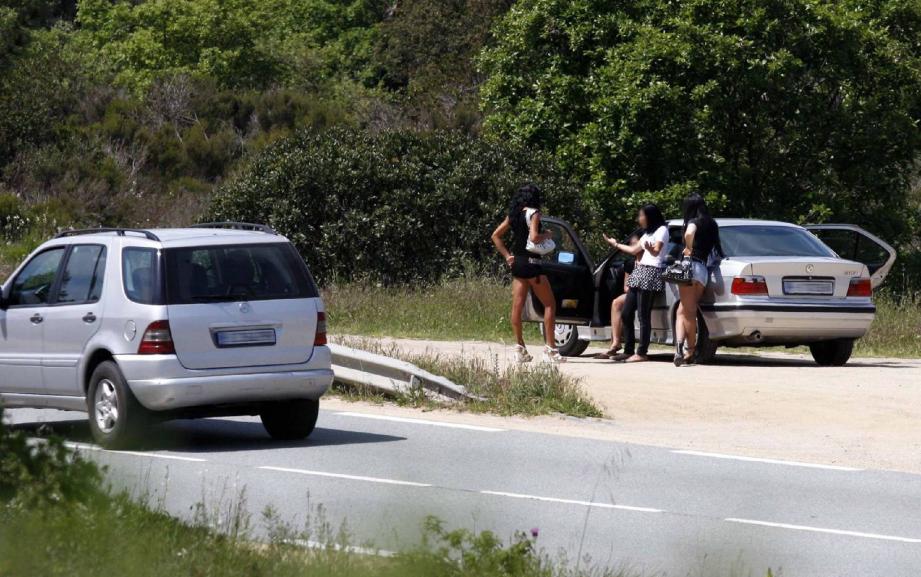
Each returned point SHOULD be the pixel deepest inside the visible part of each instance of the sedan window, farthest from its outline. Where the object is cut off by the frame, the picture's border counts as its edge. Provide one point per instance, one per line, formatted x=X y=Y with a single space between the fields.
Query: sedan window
x=767 y=240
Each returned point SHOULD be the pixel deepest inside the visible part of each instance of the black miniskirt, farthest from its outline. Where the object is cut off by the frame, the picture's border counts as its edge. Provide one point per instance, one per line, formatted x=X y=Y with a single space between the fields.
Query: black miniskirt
x=526 y=267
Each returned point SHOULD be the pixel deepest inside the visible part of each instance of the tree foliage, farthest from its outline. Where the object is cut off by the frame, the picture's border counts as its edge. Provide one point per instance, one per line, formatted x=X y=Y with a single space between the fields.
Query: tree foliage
x=798 y=109
x=394 y=207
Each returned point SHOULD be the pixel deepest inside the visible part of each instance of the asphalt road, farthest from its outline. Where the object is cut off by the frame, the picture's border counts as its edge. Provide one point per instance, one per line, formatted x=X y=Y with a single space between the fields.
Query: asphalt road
x=653 y=510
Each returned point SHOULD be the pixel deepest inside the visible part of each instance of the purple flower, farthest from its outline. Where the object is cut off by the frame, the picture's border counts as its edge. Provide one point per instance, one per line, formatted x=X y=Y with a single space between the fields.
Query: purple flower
x=535 y=532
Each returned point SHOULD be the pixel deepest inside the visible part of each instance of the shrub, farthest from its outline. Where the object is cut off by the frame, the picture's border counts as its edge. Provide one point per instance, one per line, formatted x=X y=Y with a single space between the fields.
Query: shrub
x=393 y=207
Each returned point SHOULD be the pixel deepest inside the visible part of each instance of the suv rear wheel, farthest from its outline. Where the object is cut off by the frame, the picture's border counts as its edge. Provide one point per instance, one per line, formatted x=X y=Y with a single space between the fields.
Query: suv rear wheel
x=290 y=420
x=116 y=417
x=834 y=353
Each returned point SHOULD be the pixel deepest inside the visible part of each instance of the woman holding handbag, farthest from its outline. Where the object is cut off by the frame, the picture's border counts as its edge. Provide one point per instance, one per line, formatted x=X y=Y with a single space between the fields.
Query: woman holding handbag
x=646 y=281
x=702 y=246
x=528 y=245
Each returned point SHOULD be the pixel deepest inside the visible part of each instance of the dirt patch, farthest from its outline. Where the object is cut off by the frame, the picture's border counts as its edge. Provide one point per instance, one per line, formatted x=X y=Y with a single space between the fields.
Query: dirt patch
x=866 y=414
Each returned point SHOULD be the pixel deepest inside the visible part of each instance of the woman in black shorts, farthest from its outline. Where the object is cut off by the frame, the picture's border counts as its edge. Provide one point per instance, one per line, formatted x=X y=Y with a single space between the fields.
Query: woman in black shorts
x=527 y=274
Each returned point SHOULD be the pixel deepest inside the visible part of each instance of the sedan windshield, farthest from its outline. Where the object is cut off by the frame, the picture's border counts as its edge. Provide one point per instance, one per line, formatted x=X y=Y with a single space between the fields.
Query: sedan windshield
x=767 y=240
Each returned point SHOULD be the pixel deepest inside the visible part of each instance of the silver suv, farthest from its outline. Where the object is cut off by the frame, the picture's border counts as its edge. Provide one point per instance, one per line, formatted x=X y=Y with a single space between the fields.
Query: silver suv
x=135 y=326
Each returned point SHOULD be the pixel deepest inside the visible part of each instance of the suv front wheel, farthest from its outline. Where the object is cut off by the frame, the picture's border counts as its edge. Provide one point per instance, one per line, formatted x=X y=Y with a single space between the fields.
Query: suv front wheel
x=116 y=417
x=290 y=420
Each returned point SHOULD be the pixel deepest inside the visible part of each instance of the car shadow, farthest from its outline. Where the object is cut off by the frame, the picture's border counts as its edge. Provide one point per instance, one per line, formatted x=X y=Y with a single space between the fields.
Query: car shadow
x=758 y=361
x=208 y=436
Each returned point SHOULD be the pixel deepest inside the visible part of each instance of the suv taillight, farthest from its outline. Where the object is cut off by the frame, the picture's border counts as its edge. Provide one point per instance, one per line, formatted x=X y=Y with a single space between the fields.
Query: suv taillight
x=320 y=337
x=860 y=287
x=749 y=286
x=157 y=340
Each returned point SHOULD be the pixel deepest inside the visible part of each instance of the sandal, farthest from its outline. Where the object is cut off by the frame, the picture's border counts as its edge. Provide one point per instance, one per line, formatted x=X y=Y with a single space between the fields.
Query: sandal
x=690 y=356
x=608 y=354
x=679 y=355
x=621 y=357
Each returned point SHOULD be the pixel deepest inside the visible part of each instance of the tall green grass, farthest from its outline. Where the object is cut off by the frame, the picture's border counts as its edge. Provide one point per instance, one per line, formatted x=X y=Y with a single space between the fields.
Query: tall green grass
x=533 y=389
x=478 y=309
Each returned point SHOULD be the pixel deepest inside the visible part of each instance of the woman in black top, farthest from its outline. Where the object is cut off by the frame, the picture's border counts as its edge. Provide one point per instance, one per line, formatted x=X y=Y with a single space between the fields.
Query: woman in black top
x=702 y=245
x=523 y=220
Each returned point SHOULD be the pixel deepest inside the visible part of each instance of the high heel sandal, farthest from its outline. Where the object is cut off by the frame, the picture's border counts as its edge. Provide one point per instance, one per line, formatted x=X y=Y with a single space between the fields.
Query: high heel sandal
x=679 y=354
x=690 y=355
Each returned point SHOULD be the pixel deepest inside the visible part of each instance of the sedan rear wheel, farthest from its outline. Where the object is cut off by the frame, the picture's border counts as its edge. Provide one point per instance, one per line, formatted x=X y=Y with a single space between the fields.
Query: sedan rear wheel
x=834 y=353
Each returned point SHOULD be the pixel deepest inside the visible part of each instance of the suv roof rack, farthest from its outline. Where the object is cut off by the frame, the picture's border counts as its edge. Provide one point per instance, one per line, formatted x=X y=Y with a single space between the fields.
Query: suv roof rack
x=237 y=226
x=118 y=231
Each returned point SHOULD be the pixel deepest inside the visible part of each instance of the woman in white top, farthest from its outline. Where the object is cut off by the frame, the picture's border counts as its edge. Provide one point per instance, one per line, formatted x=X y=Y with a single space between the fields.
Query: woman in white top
x=646 y=280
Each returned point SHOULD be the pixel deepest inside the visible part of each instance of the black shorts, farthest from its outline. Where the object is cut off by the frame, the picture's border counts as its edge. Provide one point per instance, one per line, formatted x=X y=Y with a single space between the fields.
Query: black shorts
x=523 y=267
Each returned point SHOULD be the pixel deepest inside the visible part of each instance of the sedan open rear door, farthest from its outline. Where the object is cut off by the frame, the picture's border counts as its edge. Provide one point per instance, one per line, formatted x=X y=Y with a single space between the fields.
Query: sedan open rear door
x=854 y=243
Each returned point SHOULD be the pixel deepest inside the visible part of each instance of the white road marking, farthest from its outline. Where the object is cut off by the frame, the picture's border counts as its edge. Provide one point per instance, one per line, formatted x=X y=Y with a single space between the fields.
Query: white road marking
x=422 y=422
x=572 y=502
x=349 y=477
x=769 y=461
x=86 y=447
x=824 y=530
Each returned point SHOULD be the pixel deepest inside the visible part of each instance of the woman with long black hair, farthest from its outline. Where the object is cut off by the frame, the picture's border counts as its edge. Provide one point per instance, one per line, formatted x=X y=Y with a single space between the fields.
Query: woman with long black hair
x=646 y=281
x=523 y=220
x=702 y=246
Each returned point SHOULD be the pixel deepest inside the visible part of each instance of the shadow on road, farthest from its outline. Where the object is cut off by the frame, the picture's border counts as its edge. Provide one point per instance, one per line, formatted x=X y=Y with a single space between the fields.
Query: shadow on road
x=757 y=361
x=209 y=436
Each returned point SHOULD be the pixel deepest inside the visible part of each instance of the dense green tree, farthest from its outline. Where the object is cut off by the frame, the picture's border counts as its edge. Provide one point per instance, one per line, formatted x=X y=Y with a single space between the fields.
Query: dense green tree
x=239 y=42
x=799 y=109
x=392 y=207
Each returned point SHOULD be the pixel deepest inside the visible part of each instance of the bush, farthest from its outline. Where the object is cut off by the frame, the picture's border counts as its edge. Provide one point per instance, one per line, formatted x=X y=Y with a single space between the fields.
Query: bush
x=393 y=207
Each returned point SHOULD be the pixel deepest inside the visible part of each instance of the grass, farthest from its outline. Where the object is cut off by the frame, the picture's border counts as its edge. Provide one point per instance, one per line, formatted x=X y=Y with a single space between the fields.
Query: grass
x=463 y=309
x=536 y=389
x=478 y=309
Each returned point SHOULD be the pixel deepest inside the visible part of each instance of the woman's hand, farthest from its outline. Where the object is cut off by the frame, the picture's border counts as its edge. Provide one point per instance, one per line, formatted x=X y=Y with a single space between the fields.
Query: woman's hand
x=609 y=240
x=686 y=251
x=510 y=259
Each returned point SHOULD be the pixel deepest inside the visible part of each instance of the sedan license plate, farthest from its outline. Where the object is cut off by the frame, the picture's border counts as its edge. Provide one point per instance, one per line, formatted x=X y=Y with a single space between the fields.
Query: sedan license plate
x=819 y=287
x=245 y=338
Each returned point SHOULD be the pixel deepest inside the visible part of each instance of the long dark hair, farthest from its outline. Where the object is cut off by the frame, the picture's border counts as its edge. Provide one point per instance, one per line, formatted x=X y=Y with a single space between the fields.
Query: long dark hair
x=528 y=196
x=654 y=218
x=694 y=207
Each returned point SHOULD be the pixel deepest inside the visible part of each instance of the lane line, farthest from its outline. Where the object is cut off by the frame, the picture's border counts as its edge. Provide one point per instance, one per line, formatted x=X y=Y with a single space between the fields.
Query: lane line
x=768 y=461
x=823 y=530
x=344 y=476
x=86 y=447
x=421 y=422
x=572 y=502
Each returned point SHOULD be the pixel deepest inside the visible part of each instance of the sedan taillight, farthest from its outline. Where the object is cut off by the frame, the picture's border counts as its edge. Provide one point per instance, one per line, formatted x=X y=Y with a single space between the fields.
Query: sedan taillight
x=320 y=338
x=157 y=340
x=860 y=287
x=749 y=286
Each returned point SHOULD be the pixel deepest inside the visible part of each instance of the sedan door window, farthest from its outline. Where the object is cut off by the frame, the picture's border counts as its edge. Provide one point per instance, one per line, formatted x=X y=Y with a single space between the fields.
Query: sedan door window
x=32 y=286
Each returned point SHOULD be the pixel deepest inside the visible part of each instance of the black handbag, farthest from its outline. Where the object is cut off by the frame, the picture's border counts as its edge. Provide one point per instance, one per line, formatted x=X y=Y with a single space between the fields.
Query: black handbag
x=679 y=272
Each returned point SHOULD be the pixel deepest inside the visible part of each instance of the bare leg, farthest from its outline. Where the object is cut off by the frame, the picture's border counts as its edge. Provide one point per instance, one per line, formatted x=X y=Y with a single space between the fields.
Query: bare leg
x=519 y=294
x=617 y=326
x=541 y=288
x=687 y=312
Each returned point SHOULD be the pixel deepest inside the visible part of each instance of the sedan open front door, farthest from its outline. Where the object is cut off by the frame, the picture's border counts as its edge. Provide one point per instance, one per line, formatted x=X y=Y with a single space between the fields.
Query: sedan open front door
x=854 y=243
x=569 y=268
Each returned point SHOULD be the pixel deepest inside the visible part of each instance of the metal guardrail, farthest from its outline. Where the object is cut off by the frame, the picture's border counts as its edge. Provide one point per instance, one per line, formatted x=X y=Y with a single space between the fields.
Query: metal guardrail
x=357 y=367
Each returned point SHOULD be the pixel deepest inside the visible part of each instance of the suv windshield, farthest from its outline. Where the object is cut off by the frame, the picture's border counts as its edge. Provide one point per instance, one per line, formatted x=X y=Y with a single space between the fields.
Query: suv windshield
x=767 y=240
x=236 y=272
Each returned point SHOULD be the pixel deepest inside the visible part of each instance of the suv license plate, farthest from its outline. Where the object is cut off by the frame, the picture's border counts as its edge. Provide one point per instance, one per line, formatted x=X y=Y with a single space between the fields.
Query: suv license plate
x=809 y=287
x=245 y=338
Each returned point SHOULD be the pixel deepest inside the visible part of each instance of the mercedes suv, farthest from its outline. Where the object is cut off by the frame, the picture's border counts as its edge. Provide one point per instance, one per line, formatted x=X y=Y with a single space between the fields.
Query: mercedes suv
x=135 y=326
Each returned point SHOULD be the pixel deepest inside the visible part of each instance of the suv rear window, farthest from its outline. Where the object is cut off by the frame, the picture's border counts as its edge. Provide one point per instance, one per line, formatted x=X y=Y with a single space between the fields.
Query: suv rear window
x=222 y=273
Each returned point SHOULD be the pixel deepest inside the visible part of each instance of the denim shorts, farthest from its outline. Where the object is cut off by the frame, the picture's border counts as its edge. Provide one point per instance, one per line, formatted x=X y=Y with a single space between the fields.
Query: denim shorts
x=699 y=272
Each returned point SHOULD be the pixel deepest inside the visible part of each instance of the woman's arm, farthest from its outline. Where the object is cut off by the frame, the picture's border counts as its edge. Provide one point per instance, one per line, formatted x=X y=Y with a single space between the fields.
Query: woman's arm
x=689 y=233
x=497 y=235
x=633 y=249
x=534 y=234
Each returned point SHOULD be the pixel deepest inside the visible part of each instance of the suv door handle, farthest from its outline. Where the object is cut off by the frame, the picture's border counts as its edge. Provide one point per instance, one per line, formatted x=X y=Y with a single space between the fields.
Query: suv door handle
x=36 y=319
x=89 y=318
